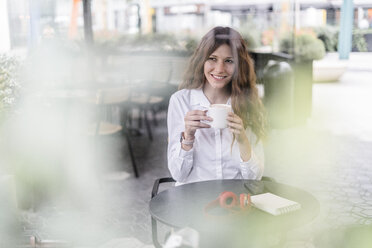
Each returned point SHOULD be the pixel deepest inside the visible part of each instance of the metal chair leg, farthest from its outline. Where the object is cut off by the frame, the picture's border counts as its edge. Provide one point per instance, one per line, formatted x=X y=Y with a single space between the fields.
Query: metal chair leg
x=153 y=112
x=154 y=192
x=126 y=117
x=127 y=137
x=155 y=240
x=147 y=123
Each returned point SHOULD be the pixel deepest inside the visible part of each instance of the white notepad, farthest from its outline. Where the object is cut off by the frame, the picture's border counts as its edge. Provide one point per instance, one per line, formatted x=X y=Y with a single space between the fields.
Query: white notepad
x=274 y=204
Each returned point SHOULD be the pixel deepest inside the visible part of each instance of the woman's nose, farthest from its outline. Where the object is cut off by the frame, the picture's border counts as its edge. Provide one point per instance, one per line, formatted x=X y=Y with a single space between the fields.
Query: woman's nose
x=220 y=67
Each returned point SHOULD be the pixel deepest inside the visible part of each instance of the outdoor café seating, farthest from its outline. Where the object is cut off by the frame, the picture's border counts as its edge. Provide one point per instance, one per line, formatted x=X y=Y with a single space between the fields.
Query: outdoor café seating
x=182 y=206
x=105 y=101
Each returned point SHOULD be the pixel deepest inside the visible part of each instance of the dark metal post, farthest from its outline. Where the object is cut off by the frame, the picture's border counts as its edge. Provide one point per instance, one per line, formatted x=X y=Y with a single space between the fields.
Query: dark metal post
x=139 y=18
x=88 y=30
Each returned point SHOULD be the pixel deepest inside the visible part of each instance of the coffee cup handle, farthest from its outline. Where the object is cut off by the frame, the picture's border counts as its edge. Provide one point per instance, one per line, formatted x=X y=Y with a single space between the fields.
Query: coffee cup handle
x=207 y=113
x=207 y=110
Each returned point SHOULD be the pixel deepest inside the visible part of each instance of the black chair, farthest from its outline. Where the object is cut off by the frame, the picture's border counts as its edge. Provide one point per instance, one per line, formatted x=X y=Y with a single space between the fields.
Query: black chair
x=154 y=192
x=154 y=225
x=151 y=95
x=105 y=101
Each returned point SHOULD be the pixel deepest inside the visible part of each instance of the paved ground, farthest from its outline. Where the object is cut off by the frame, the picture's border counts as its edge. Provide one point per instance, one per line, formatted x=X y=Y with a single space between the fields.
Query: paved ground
x=330 y=157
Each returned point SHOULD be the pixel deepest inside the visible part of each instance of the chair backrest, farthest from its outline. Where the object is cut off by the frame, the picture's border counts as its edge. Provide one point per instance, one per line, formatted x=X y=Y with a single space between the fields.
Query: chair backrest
x=106 y=100
x=113 y=96
x=99 y=101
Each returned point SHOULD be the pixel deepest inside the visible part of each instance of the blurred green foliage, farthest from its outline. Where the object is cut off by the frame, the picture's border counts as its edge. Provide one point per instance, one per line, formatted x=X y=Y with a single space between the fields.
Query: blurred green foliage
x=359 y=41
x=329 y=36
x=191 y=44
x=310 y=43
x=251 y=35
x=306 y=46
x=9 y=86
x=163 y=42
x=152 y=42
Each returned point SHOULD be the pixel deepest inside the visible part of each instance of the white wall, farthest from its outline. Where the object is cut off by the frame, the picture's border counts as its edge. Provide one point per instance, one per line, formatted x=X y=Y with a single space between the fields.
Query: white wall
x=4 y=27
x=312 y=17
x=118 y=7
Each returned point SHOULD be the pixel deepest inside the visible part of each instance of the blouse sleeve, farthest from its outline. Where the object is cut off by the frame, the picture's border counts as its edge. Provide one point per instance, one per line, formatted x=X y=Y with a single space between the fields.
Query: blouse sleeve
x=254 y=167
x=180 y=162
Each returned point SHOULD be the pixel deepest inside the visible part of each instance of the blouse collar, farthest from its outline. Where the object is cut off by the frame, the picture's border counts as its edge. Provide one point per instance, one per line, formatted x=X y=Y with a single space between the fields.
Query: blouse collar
x=197 y=97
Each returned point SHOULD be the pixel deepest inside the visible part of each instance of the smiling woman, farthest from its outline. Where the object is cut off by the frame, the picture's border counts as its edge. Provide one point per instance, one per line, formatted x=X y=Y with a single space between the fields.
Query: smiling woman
x=219 y=67
x=220 y=72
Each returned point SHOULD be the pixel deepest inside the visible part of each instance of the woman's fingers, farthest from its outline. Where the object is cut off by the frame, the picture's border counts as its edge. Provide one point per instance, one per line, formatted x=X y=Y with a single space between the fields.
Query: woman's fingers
x=193 y=119
x=197 y=113
x=234 y=118
x=235 y=126
x=234 y=121
x=197 y=124
x=198 y=118
x=236 y=129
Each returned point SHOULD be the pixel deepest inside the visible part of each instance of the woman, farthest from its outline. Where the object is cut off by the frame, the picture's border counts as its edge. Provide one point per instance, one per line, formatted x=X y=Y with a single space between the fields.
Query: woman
x=220 y=72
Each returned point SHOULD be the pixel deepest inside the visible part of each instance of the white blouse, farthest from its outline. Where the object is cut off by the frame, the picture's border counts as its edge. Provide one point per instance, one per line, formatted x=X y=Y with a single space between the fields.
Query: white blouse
x=211 y=156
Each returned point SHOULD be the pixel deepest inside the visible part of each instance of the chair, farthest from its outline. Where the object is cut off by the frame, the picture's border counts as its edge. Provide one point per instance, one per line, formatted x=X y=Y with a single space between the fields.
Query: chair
x=143 y=101
x=160 y=87
x=162 y=90
x=105 y=101
x=154 y=192
x=154 y=225
x=151 y=95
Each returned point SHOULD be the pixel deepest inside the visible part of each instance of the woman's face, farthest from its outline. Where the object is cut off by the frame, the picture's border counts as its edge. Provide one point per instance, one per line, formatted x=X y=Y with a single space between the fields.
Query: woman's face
x=219 y=67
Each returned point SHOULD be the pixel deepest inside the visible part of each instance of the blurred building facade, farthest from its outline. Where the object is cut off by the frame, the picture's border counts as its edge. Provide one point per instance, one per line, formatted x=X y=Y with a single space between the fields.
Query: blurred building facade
x=4 y=27
x=264 y=13
x=29 y=20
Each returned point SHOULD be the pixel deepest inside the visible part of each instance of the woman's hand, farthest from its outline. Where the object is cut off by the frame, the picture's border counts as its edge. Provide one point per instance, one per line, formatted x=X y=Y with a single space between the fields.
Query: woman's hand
x=236 y=126
x=192 y=122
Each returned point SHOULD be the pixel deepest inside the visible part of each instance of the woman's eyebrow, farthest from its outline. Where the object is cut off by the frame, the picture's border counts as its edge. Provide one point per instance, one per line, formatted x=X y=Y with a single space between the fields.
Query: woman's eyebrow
x=212 y=55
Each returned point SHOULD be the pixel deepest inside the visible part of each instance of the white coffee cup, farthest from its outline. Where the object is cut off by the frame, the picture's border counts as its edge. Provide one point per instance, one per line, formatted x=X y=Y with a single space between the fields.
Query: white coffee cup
x=219 y=113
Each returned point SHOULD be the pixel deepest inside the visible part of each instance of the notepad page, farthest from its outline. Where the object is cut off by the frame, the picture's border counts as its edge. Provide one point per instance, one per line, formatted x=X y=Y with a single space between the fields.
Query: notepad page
x=274 y=204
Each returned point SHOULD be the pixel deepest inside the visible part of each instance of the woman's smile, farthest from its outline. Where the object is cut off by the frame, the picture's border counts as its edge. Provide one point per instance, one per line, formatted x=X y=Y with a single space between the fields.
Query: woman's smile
x=217 y=77
x=219 y=67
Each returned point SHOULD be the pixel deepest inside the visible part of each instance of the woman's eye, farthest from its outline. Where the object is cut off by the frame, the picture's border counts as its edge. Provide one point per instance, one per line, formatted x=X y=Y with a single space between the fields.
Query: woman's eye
x=229 y=61
x=211 y=58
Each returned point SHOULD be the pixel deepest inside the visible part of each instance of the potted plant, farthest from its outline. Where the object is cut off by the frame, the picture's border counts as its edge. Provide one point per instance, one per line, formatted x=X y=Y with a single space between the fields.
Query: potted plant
x=9 y=88
x=24 y=142
x=305 y=47
x=9 y=92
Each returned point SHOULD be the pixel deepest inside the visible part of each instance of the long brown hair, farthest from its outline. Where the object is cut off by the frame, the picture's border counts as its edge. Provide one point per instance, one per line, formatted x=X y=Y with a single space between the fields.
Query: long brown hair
x=244 y=93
